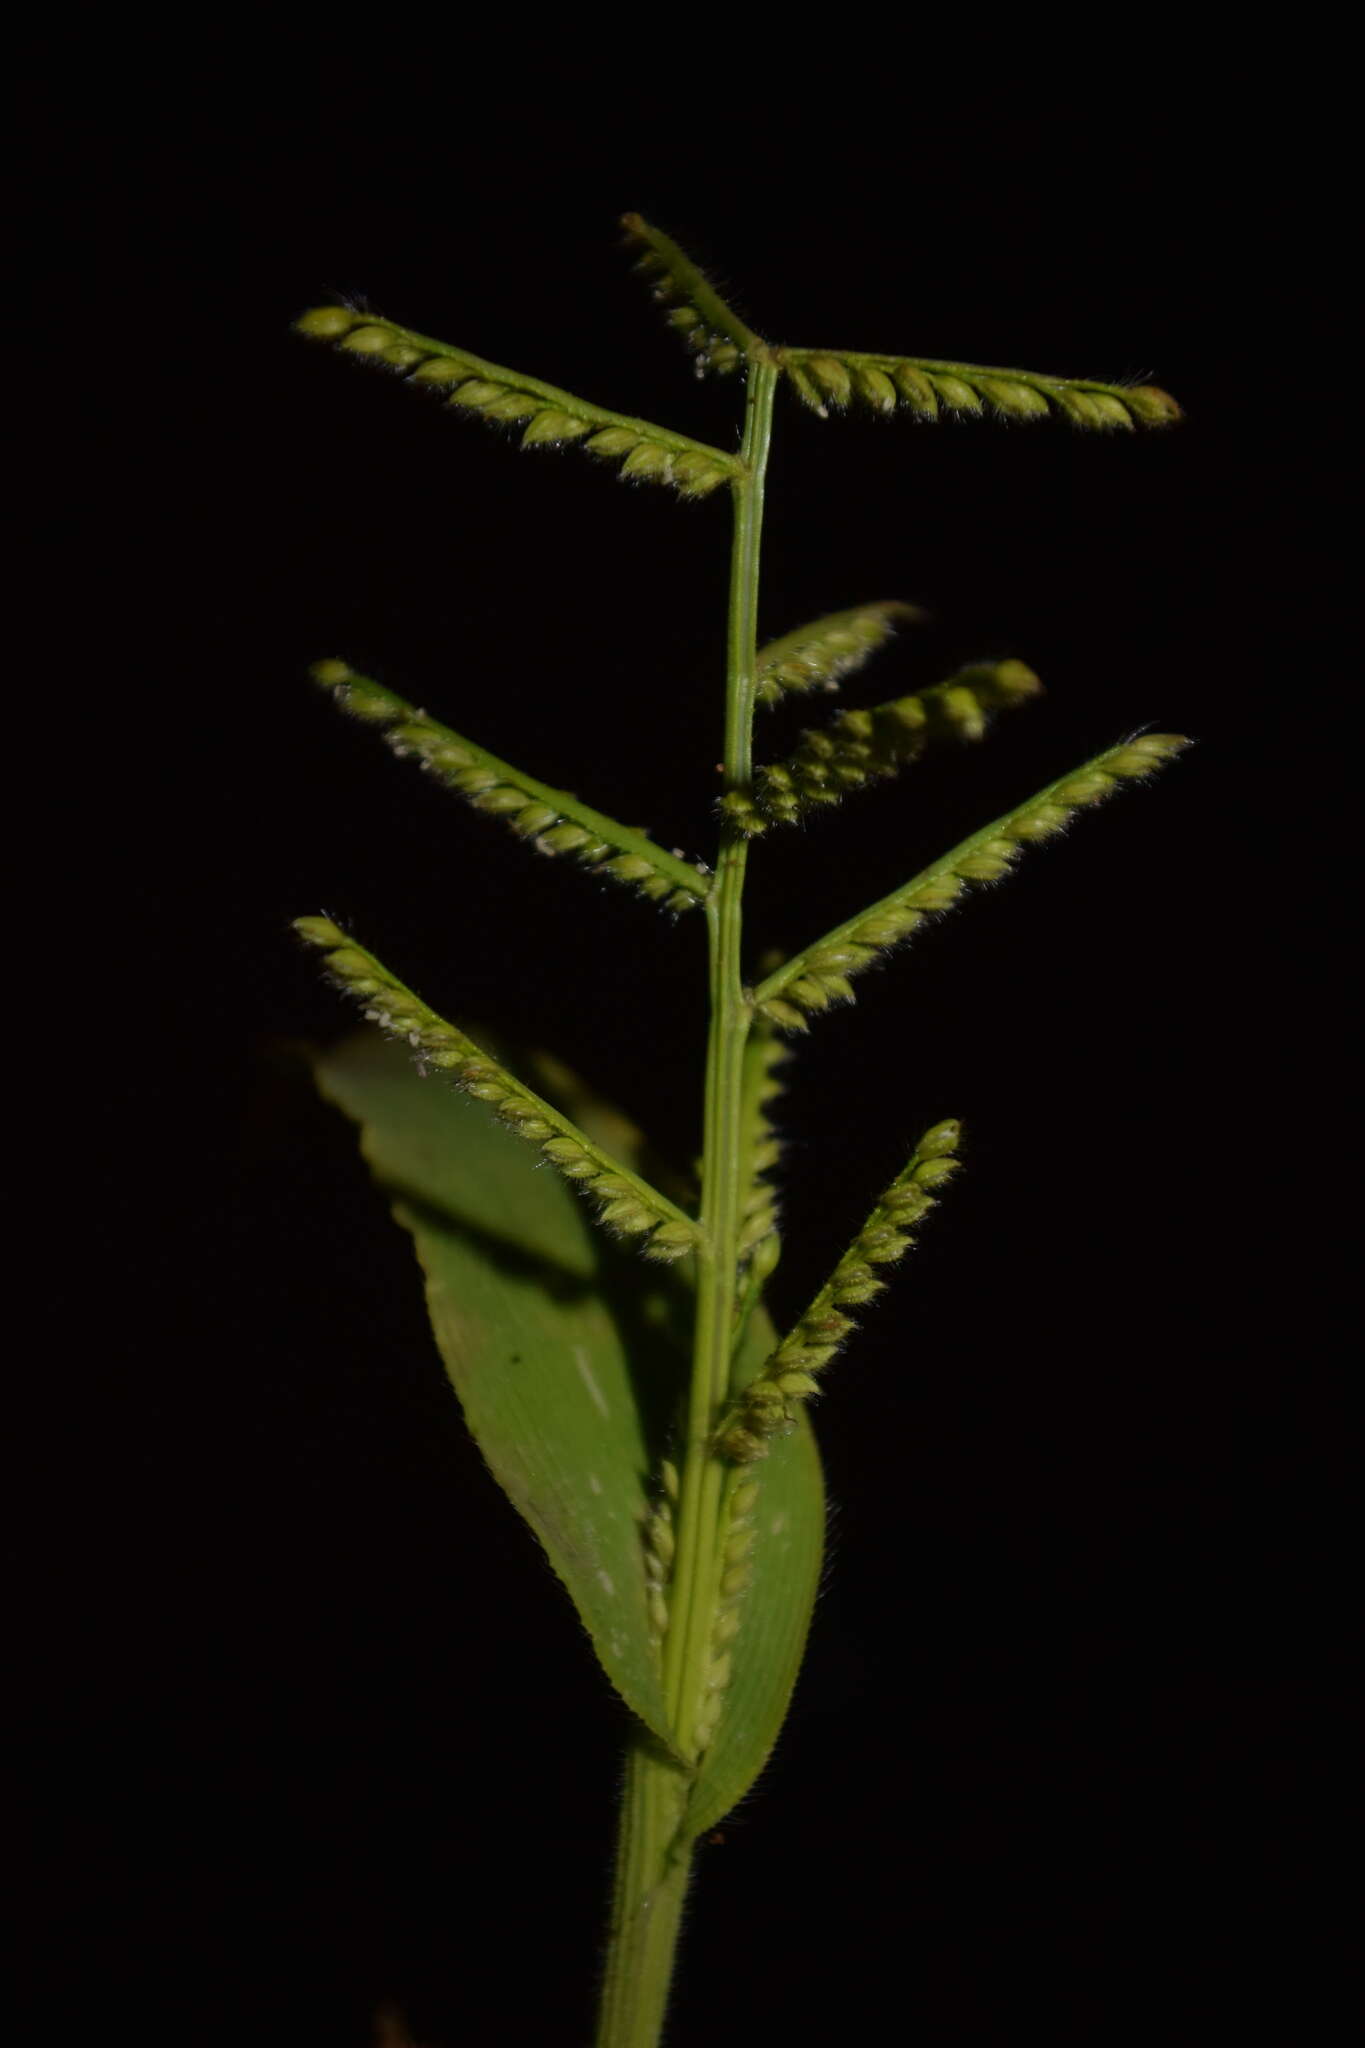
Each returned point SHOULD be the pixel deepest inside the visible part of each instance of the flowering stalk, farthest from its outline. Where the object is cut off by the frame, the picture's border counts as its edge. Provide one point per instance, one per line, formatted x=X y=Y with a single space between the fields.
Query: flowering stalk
x=695 y=1575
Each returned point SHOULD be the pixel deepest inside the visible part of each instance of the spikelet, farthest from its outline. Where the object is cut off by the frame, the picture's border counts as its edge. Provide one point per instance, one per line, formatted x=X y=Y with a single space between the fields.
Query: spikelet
x=713 y=331
x=546 y=416
x=552 y=820
x=814 y=979
x=928 y=390
x=871 y=745
x=736 y=1540
x=765 y=1408
x=627 y=1205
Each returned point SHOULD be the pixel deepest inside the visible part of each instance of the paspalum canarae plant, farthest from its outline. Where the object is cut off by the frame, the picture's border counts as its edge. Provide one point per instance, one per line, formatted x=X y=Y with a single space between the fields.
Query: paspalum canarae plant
x=661 y=1448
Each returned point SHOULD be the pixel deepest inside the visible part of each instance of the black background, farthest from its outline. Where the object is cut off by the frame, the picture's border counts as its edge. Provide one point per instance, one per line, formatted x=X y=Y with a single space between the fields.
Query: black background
x=326 y=1730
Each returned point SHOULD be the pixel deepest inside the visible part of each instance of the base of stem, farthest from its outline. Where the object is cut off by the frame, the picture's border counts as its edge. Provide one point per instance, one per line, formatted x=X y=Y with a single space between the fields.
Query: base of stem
x=651 y=1884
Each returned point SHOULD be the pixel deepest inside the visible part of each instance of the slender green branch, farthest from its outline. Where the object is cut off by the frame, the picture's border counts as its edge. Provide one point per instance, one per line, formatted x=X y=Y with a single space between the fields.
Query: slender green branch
x=554 y=820
x=687 y=1647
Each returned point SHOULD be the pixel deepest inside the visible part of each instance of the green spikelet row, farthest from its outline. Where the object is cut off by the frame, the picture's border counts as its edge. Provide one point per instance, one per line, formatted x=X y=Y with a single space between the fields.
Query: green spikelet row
x=870 y=745
x=736 y=1544
x=713 y=331
x=547 y=416
x=659 y=1546
x=552 y=820
x=929 y=389
x=761 y=1148
x=764 y=1409
x=818 y=655
x=814 y=979
x=627 y=1205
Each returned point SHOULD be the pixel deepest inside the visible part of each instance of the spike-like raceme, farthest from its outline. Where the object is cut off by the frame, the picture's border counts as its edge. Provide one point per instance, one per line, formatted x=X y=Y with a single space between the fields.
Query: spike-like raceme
x=929 y=389
x=863 y=746
x=735 y=1543
x=552 y=820
x=817 y=656
x=819 y=976
x=547 y=416
x=766 y=1406
x=760 y=1148
x=627 y=1205
x=660 y=1547
x=713 y=331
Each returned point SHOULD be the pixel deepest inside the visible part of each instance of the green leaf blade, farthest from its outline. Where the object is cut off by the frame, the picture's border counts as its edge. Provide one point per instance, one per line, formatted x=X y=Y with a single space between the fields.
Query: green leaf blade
x=565 y=1390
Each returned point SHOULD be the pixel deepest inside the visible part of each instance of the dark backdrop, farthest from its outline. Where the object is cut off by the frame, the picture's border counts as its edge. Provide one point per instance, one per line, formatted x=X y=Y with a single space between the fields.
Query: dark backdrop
x=328 y=1734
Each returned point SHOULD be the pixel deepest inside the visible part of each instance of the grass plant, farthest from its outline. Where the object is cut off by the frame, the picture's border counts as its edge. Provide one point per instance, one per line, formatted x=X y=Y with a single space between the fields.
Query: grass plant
x=650 y=1423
